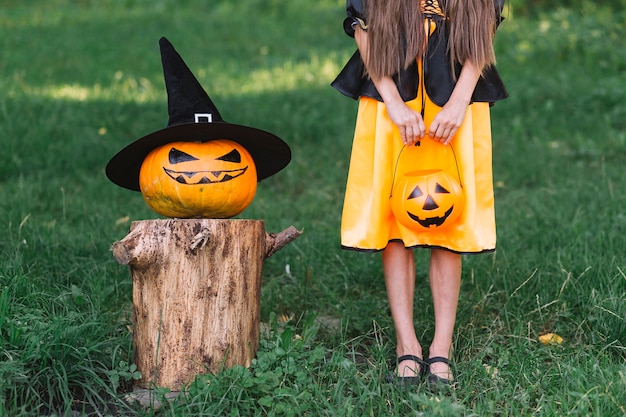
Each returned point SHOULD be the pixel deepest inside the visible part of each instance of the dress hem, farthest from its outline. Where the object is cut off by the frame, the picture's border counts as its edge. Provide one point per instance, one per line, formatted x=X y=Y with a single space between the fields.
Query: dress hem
x=419 y=246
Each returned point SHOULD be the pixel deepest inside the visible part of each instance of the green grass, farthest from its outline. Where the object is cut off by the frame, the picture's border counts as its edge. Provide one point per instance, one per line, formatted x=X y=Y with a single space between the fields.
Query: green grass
x=82 y=79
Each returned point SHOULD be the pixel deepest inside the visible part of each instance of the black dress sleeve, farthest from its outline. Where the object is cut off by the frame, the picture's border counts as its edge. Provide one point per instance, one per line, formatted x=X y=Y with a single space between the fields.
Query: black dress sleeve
x=355 y=14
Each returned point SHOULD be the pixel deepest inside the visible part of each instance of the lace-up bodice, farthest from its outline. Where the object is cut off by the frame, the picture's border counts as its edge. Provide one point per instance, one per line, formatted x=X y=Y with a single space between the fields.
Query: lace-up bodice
x=431 y=7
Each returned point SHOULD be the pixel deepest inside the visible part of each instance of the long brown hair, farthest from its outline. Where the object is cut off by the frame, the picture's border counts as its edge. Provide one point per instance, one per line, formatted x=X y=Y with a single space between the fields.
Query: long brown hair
x=472 y=28
x=393 y=41
x=396 y=35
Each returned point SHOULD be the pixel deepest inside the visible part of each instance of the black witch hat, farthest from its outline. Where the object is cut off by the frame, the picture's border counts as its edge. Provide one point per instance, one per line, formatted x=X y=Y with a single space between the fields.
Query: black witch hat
x=194 y=118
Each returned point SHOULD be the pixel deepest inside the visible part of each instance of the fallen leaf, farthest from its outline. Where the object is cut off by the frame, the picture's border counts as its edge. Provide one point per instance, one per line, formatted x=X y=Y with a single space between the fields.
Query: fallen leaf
x=551 y=339
x=285 y=318
x=492 y=371
x=122 y=220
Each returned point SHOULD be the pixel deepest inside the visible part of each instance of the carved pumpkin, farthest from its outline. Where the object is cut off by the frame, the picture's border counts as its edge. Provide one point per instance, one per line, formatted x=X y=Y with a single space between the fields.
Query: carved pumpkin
x=214 y=179
x=427 y=199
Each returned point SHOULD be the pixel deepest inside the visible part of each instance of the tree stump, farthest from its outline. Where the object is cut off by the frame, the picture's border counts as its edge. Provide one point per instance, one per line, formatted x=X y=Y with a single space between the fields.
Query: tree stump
x=196 y=294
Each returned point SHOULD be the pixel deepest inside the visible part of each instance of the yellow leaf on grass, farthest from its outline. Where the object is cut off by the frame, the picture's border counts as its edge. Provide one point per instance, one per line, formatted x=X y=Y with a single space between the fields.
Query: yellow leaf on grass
x=285 y=318
x=492 y=371
x=122 y=220
x=551 y=339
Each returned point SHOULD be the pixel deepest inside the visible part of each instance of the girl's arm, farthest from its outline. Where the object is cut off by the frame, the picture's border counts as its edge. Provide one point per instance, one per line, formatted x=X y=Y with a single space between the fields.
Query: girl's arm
x=408 y=121
x=447 y=121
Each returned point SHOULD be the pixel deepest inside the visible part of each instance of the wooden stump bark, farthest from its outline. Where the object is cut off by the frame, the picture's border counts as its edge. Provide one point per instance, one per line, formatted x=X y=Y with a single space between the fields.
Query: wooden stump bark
x=196 y=294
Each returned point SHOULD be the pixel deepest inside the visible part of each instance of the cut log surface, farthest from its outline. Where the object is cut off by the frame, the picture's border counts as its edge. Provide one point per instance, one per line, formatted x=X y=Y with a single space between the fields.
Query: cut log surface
x=196 y=294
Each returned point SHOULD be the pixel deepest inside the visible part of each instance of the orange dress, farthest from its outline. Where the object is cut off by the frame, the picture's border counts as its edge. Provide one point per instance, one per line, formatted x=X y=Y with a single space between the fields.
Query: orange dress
x=379 y=160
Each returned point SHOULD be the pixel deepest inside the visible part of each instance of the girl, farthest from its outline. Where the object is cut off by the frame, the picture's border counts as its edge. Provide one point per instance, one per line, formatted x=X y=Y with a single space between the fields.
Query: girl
x=424 y=76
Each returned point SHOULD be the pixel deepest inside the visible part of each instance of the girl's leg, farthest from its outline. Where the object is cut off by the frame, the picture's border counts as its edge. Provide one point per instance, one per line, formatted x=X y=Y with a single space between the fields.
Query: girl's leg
x=445 y=284
x=399 y=271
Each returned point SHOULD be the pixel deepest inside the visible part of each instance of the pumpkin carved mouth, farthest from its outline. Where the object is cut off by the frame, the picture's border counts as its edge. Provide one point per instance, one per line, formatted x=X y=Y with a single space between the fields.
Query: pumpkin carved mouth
x=204 y=177
x=431 y=221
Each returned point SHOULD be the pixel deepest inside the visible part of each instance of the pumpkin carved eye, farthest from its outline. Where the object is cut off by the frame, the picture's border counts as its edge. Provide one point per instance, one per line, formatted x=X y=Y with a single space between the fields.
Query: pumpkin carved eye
x=417 y=192
x=176 y=157
x=232 y=156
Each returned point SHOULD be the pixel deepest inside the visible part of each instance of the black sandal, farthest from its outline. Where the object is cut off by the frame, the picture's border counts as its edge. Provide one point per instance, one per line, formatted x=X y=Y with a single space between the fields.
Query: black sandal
x=408 y=380
x=435 y=380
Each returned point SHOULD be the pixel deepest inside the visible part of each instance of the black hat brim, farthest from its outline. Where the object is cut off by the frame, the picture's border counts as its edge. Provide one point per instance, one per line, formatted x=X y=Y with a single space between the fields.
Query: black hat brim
x=269 y=152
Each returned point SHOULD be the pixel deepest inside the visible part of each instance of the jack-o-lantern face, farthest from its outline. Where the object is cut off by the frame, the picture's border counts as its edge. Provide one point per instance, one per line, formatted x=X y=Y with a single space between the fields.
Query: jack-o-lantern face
x=214 y=179
x=426 y=200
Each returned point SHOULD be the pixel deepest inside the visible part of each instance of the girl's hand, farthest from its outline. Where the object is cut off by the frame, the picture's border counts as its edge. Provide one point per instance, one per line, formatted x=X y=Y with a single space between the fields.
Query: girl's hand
x=409 y=122
x=446 y=123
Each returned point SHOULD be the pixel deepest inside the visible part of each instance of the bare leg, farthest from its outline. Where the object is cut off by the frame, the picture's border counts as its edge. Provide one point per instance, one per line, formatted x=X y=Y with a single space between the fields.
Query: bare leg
x=399 y=271
x=445 y=284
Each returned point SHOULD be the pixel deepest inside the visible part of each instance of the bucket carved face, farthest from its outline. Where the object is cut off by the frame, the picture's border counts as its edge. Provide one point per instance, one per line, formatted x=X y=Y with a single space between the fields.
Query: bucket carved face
x=214 y=179
x=427 y=200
